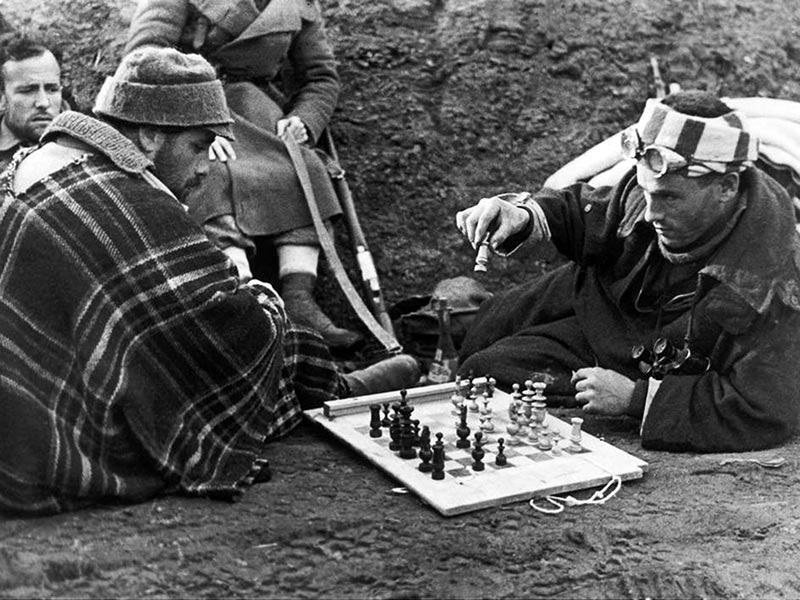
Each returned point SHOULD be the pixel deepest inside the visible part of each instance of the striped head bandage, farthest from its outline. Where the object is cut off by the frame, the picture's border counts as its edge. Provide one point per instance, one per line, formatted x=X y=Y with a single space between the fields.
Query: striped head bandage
x=666 y=140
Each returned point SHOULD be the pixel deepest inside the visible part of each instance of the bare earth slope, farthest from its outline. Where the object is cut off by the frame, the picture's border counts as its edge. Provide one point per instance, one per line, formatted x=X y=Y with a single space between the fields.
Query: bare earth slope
x=446 y=101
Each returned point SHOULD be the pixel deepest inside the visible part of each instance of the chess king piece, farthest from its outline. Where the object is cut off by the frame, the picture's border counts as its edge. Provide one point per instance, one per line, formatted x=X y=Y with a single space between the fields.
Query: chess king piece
x=445 y=361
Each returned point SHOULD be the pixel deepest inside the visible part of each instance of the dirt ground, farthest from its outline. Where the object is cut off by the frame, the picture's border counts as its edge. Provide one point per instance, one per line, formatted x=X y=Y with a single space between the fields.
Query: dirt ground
x=446 y=101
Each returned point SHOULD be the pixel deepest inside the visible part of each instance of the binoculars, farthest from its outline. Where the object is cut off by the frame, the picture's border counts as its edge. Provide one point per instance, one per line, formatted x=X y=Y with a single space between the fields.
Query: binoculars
x=665 y=358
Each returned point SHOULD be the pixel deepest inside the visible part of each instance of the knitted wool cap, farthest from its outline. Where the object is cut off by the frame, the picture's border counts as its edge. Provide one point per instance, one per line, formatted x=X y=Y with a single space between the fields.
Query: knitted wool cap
x=162 y=86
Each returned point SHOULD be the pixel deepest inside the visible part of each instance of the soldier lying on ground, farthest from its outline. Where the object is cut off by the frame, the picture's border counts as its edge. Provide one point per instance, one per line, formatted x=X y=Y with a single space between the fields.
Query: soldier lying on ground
x=692 y=259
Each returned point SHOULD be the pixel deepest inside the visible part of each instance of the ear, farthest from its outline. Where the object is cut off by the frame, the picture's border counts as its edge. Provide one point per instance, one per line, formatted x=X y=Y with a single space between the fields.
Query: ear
x=150 y=140
x=729 y=186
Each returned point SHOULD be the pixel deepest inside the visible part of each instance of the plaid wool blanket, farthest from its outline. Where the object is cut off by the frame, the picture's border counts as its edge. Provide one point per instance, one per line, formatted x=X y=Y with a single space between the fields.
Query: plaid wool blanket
x=131 y=361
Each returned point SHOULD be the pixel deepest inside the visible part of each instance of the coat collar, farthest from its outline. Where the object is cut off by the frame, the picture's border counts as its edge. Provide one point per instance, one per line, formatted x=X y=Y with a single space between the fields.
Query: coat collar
x=243 y=20
x=755 y=271
x=100 y=136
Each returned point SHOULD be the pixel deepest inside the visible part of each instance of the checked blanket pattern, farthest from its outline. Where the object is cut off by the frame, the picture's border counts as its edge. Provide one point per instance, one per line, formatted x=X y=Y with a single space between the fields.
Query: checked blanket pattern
x=131 y=362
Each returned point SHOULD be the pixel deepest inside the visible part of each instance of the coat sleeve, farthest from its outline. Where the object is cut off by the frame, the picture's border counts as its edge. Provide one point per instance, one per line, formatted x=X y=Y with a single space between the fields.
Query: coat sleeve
x=583 y=221
x=747 y=401
x=316 y=82
x=157 y=23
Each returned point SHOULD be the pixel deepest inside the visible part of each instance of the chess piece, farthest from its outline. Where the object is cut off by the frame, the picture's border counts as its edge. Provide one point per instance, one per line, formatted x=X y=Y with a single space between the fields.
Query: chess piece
x=472 y=399
x=425 y=452
x=513 y=429
x=445 y=360
x=463 y=431
x=500 y=460
x=386 y=421
x=575 y=435
x=486 y=416
x=375 y=421
x=456 y=400
x=545 y=443
x=394 y=432
x=437 y=461
x=491 y=384
x=478 y=453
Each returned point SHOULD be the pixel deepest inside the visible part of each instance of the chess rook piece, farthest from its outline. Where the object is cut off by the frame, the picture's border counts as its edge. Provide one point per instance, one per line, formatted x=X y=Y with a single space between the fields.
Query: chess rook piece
x=500 y=460
x=437 y=461
x=445 y=360
x=463 y=431
x=375 y=421
x=478 y=453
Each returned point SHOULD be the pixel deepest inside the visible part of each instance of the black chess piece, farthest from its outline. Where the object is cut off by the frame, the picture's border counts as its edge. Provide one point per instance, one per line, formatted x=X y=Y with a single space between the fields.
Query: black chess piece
x=405 y=439
x=437 y=462
x=501 y=460
x=394 y=433
x=478 y=453
x=375 y=421
x=463 y=431
x=386 y=421
x=425 y=452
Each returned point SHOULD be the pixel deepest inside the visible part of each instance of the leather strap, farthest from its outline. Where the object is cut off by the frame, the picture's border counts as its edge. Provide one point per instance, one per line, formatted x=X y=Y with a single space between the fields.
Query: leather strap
x=329 y=248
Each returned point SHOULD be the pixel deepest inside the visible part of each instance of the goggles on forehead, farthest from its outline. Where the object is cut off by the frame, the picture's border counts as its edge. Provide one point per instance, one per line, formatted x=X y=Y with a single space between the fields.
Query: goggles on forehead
x=659 y=159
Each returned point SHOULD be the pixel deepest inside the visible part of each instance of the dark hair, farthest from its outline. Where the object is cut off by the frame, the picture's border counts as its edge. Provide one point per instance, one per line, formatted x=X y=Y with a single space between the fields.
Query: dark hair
x=697 y=103
x=19 y=46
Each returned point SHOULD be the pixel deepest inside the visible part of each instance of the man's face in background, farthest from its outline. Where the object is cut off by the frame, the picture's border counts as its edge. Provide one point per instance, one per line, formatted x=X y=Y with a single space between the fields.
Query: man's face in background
x=31 y=95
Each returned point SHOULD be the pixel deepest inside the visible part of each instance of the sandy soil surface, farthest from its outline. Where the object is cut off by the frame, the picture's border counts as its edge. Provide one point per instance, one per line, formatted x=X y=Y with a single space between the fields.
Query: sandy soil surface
x=446 y=101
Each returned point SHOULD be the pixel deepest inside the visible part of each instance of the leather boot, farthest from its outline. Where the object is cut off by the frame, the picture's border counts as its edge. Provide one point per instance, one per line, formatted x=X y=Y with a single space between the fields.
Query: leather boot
x=395 y=373
x=297 y=291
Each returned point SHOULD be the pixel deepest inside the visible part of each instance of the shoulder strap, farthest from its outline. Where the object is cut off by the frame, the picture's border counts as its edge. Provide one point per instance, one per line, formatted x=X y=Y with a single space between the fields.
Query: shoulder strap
x=326 y=241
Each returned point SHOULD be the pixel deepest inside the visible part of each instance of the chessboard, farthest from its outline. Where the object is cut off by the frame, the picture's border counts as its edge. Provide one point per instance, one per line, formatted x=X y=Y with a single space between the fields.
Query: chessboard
x=531 y=467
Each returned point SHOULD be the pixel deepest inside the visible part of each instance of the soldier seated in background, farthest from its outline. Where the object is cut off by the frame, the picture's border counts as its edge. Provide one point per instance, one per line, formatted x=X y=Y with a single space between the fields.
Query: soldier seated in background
x=133 y=361
x=692 y=259
x=31 y=93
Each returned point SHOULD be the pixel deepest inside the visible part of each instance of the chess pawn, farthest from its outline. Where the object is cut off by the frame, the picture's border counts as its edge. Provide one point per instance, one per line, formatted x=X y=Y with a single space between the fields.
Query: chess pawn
x=445 y=360
x=545 y=443
x=575 y=435
x=500 y=459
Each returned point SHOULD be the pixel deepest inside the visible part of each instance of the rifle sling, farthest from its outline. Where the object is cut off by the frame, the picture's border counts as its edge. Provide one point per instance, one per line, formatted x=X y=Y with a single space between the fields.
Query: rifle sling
x=329 y=248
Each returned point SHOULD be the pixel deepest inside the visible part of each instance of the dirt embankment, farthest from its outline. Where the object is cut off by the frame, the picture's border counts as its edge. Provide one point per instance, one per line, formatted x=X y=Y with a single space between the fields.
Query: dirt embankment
x=446 y=101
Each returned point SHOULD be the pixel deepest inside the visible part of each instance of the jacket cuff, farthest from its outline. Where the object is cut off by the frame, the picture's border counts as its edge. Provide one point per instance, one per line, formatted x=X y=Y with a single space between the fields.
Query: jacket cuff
x=636 y=407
